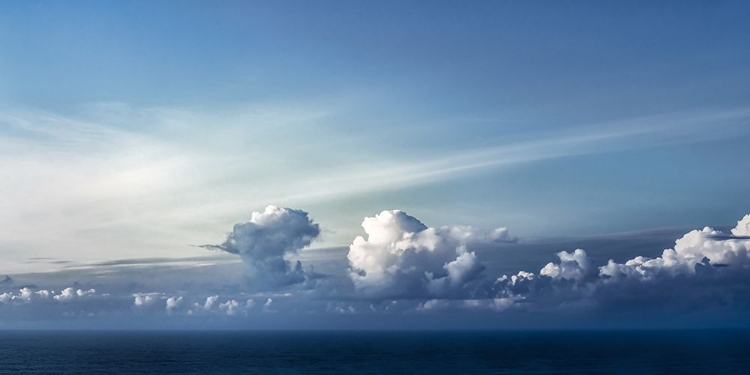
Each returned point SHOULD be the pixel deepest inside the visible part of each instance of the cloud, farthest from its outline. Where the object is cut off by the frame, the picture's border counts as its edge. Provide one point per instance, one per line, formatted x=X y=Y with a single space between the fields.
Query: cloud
x=572 y=266
x=70 y=293
x=402 y=257
x=173 y=303
x=230 y=307
x=404 y=268
x=144 y=299
x=265 y=241
x=704 y=270
x=112 y=180
x=210 y=300
x=698 y=247
x=29 y=304
x=29 y=294
x=268 y=306
x=32 y=304
x=433 y=304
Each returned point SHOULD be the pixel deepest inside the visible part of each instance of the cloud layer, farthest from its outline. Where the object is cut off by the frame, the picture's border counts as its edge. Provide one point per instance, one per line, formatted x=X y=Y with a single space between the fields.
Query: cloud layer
x=402 y=267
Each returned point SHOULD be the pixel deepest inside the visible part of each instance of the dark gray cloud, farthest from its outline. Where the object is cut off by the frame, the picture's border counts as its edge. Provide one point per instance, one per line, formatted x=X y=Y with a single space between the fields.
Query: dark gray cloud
x=266 y=240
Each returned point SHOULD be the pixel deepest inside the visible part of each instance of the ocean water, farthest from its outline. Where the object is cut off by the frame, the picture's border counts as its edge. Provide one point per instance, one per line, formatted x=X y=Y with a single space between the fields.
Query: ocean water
x=498 y=352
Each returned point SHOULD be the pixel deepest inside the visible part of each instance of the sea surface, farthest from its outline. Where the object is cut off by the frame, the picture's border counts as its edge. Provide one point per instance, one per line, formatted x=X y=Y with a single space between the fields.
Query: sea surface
x=497 y=352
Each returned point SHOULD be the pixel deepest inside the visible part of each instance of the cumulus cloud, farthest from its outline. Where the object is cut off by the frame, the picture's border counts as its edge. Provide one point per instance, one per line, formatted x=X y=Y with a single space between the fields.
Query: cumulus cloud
x=28 y=294
x=230 y=307
x=707 y=246
x=402 y=257
x=573 y=266
x=173 y=303
x=30 y=303
x=266 y=240
x=268 y=306
x=74 y=303
x=25 y=294
x=403 y=267
x=144 y=299
x=210 y=300
x=705 y=268
x=70 y=293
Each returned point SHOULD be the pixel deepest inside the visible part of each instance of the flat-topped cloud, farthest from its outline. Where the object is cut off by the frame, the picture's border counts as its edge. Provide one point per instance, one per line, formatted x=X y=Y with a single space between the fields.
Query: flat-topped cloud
x=266 y=239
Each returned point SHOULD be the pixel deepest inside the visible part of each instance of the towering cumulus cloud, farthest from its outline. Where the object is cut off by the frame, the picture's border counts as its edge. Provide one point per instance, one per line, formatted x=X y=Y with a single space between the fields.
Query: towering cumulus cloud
x=402 y=257
x=265 y=240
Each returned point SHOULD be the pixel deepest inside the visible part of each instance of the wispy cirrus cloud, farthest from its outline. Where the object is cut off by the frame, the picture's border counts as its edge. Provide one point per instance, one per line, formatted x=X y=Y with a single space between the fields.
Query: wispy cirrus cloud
x=159 y=178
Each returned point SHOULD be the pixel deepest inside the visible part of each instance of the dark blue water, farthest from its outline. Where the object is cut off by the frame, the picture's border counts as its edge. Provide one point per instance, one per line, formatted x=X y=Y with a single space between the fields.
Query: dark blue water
x=637 y=352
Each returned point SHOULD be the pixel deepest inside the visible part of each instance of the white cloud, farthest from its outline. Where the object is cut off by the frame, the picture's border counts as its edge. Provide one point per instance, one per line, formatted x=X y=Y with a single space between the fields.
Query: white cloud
x=173 y=303
x=44 y=293
x=140 y=179
x=430 y=269
x=705 y=268
x=572 y=266
x=403 y=257
x=210 y=300
x=70 y=293
x=230 y=307
x=690 y=250
x=144 y=299
x=25 y=294
x=268 y=305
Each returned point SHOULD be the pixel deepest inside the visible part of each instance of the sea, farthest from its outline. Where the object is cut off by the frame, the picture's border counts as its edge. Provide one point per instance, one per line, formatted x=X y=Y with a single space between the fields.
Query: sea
x=376 y=352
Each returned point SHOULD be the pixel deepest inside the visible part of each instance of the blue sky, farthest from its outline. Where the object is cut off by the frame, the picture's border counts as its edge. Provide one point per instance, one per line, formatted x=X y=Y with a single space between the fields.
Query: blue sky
x=133 y=130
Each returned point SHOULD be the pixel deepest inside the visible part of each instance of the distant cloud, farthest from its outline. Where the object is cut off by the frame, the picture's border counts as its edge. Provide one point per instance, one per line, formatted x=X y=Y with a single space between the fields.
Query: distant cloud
x=230 y=307
x=265 y=240
x=404 y=267
x=402 y=257
x=176 y=176
x=173 y=303
x=573 y=266
x=702 y=270
x=70 y=293
x=697 y=248
x=144 y=299
x=210 y=300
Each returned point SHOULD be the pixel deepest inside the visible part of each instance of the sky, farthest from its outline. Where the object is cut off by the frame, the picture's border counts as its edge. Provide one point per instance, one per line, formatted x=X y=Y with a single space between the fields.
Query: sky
x=394 y=162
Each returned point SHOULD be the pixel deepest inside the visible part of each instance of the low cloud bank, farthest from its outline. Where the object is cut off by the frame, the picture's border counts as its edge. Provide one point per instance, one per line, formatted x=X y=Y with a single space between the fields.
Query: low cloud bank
x=402 y=266
x=706 y=270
